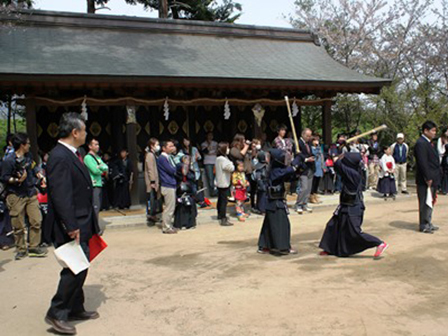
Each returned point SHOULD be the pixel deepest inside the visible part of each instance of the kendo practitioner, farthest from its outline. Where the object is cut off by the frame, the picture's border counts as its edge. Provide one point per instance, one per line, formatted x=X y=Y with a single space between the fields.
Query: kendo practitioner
x=186 y=211
x=343 y=235
x=122 y=176
x=275 y=235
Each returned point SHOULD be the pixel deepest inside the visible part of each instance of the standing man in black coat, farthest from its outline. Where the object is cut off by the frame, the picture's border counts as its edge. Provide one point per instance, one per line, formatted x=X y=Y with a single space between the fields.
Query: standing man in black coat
x=306 y=178
x=71 y=216
x=428 y=174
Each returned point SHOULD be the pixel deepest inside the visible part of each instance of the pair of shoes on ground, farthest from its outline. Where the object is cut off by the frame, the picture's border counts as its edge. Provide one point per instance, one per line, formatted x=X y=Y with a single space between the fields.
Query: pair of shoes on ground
x=63 y=327
x=170 y=231
x=301 y=209
x=429 y=229
x=37 y=252
x=225 y=222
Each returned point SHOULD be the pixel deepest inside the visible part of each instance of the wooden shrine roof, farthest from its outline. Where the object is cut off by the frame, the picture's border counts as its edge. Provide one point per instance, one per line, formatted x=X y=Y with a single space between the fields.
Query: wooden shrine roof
x=43 y=46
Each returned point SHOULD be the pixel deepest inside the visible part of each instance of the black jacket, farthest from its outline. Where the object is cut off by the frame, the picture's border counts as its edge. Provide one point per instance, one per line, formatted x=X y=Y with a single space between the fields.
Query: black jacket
x=70 y=197
x=306 y=154
x=428 y=164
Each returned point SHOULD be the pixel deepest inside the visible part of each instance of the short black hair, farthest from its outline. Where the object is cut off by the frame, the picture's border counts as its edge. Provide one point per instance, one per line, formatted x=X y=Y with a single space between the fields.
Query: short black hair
x=281 y=127
x=19 y=139
x=90 y=141
x=165 y=143
x=70 y=121
x=428 y=125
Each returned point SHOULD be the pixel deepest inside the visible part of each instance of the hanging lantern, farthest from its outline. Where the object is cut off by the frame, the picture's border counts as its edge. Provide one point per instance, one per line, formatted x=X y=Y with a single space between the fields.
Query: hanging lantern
x=227 y=110
x=166 y=109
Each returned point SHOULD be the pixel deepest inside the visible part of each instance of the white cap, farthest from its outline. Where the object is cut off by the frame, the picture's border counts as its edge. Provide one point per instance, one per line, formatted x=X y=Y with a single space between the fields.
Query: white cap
x=400 y=136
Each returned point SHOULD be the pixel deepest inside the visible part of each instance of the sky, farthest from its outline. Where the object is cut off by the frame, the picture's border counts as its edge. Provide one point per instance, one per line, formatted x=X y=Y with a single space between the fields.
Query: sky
x=255 y=12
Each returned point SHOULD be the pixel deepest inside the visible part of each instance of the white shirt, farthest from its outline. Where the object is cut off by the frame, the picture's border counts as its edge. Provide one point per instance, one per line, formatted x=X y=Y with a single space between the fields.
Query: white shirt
x=70 y=147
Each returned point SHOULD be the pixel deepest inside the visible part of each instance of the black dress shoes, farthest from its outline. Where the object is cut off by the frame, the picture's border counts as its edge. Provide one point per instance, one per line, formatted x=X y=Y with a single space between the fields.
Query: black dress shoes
x=83 y=316
x=60 y=326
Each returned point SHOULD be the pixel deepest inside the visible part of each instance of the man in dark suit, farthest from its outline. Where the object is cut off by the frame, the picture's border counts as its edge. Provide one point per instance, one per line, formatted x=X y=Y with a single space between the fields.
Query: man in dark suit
x=427 y=175
x=71 y=216
x=306 y=178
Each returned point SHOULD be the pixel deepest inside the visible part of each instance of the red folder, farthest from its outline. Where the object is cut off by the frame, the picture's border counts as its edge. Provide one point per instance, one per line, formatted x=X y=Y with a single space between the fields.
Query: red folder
x=96 y=246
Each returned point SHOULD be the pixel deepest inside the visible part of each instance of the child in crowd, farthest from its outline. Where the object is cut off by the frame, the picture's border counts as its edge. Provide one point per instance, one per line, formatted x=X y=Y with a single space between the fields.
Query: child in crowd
x=260 y=175
x=240 y=185
x=329 y=174
x=386 y=183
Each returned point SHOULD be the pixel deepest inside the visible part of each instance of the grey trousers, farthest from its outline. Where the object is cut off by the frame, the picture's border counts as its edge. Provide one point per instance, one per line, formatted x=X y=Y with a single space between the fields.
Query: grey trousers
x=306 y=182
x=97 y=200
x=425 y=212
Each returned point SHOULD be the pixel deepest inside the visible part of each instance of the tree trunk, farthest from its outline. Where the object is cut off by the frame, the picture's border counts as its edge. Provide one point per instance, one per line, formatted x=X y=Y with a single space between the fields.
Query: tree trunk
x=91 y=6
x=163 y=9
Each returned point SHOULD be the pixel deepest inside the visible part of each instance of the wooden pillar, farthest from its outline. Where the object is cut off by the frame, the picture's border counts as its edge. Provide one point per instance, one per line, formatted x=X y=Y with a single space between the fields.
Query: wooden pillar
x=117 y=121
x=131 y=137
x=31 y=127
x=326 y=122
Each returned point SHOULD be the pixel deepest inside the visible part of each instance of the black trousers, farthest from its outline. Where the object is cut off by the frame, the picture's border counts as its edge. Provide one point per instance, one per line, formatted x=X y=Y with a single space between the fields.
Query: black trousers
x=425 y=212
x=253 y=191
x=222 y=202
x=69 y=297
x=315 y=185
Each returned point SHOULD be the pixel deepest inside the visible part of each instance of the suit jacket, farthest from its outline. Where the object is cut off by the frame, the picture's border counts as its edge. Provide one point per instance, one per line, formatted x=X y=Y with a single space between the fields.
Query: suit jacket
x=428 y=164
x=306 y=154
x=70 y=198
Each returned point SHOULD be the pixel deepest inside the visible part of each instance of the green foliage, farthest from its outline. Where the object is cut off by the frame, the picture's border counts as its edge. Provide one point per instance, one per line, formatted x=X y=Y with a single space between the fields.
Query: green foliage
x=381 y=39
x=21 y=127
x=17 y=3
x=203 y=10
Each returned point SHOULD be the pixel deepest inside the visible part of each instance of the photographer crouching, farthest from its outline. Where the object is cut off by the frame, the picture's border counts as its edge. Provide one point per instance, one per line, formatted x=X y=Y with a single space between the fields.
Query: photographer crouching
x=20 y=174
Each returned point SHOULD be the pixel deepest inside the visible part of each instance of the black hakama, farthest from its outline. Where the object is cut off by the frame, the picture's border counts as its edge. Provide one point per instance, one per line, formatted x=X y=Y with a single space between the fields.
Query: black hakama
x=343 y=235
x=121 y=175
x=386 y=185
x=328 y=182
x=185 y=215
x=122 y=195
x=276 y=231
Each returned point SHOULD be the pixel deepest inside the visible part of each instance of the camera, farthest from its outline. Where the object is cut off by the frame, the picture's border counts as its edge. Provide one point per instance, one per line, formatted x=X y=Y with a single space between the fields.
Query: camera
x=21 y=165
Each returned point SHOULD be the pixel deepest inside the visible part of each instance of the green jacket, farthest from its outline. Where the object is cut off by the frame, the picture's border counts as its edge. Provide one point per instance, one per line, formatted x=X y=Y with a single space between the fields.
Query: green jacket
x=96 y=168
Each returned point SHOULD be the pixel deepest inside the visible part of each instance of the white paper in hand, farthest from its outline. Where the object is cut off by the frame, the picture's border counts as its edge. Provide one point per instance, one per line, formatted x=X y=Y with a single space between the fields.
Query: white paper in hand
x=429 y=201
x=72 y=256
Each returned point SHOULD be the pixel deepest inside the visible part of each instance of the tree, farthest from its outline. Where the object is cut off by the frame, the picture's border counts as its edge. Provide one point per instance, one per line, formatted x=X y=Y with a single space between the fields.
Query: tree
x=204 y=10
x=385 y=39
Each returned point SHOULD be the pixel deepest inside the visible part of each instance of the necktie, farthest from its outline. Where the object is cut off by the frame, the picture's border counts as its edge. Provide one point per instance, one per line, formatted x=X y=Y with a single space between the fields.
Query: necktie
x=79 y=157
